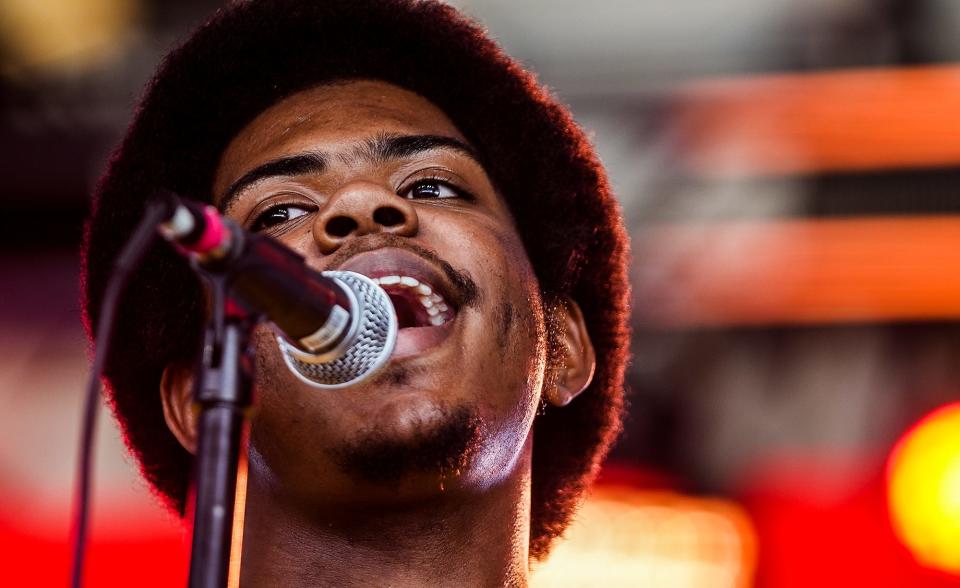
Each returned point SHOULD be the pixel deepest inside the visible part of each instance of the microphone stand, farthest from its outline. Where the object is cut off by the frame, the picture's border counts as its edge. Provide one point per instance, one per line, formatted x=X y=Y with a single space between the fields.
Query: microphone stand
x=222 y=391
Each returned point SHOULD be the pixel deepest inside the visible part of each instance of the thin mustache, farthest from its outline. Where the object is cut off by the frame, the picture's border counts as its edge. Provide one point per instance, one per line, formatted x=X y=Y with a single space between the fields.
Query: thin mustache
x=467 y=289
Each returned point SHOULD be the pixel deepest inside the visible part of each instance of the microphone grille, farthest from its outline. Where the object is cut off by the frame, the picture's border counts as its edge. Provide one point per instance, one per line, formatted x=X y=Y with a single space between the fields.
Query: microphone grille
x=365 y=350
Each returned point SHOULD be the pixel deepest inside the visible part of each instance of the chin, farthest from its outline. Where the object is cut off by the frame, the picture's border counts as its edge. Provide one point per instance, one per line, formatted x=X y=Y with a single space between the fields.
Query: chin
x=423 y=440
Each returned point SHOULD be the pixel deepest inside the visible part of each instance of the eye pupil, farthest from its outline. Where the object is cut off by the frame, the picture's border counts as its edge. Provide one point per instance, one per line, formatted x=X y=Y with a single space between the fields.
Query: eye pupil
x=272 y=217
x=426 y=190
x=281 y=214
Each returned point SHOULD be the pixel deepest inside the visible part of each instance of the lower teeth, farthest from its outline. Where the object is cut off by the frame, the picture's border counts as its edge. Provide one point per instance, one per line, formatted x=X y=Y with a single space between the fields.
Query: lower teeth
x=434 y=304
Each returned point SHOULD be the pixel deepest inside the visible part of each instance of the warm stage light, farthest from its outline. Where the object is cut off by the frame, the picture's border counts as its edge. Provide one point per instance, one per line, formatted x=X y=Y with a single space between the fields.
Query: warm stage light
x=626 y=537
x=58 y=35
x=923 y=476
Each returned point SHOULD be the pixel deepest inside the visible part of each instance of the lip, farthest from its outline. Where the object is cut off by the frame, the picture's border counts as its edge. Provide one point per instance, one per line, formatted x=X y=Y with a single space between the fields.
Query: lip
x=378 y=263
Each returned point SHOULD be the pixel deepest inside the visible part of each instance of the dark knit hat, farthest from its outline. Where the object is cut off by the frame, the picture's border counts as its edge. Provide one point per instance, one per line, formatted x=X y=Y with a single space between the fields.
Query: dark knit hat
x=254 y=53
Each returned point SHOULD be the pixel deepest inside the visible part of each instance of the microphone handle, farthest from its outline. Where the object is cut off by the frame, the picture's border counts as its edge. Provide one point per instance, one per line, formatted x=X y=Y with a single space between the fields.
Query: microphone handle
x=264 y=277
x=313 y=310
x=339 y=328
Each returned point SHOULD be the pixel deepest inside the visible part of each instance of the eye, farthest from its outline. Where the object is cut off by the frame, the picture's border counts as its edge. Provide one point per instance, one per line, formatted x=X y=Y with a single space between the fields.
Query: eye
x=279 y=214
x=432 y=188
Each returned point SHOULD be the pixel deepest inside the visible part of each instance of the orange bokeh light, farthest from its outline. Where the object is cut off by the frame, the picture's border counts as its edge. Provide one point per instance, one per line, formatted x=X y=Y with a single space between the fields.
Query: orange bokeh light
x=923 y=476
x=626 y=536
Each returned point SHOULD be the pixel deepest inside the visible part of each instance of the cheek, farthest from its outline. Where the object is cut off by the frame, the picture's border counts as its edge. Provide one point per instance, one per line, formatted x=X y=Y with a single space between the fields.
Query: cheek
x=288 y=413
x=278 y=407
x=515 y=356
x=301 y=239
x=513 y=346
x=521 y=327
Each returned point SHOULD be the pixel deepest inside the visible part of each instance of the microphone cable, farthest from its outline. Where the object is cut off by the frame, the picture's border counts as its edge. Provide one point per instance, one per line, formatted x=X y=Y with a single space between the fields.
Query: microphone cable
x=129 y=258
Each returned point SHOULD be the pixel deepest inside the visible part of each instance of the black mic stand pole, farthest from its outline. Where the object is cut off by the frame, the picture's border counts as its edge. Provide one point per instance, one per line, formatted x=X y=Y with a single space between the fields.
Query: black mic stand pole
x=222 y=391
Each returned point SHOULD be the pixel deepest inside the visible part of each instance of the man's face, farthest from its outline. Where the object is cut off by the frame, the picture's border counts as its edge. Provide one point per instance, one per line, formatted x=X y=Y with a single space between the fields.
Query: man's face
x=367 y=177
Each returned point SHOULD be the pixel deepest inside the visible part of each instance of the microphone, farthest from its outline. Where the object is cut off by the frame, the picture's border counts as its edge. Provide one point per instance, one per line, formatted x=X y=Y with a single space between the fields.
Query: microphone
x=338 y=328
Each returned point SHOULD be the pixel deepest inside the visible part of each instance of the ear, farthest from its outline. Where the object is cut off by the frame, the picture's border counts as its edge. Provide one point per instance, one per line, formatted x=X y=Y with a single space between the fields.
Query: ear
x=572 y=359
x=176 y=395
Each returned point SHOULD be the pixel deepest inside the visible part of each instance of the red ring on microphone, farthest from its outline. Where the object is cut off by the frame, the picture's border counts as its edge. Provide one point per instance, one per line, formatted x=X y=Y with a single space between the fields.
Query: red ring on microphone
x=213 y=233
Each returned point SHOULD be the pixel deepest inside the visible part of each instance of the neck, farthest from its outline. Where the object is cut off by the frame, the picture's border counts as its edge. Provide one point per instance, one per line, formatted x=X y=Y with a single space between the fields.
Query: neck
x=455 y=538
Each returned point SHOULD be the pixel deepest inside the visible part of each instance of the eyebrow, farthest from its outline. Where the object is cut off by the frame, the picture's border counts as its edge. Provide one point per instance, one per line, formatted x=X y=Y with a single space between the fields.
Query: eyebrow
x=383 y=147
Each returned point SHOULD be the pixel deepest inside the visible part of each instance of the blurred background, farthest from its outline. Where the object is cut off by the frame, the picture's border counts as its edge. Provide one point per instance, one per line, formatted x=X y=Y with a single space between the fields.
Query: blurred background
x=788 y=172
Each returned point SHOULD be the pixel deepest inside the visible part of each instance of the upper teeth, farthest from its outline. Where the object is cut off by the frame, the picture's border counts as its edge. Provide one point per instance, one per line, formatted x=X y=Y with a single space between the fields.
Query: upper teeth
x=433 y=302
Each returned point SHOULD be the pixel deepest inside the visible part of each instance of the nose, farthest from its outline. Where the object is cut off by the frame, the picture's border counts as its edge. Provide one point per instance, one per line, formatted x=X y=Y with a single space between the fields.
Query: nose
x=362 y=208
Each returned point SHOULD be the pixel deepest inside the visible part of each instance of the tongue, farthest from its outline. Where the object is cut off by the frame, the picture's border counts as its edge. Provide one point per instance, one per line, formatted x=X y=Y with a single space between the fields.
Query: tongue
x=410 y=313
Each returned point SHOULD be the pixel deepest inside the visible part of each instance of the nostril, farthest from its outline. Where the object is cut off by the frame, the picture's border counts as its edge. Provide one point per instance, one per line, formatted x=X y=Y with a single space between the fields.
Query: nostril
x=388 y=216
x=341 y=226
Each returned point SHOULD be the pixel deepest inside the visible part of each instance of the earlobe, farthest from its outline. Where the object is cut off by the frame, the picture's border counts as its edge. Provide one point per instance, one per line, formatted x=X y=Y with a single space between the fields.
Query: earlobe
x=176 y=395
x=573 y=357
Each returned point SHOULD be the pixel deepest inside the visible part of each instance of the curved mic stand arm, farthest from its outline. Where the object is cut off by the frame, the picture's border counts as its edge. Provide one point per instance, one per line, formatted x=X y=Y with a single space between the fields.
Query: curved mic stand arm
x=223 y=393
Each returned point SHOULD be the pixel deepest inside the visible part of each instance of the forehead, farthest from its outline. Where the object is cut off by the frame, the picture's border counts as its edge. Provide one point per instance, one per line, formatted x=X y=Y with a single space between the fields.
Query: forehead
x=332 y=117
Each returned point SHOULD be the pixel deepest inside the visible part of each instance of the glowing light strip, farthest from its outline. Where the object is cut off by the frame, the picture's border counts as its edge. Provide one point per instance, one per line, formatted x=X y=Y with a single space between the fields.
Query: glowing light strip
x=626 y=537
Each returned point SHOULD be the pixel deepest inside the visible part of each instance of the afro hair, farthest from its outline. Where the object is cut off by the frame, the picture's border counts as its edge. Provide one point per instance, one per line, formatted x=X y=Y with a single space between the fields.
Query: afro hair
x=251 y=55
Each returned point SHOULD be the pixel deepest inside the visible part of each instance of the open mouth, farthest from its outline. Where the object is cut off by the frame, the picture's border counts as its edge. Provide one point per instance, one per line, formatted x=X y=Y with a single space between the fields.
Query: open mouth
x=428 y=302
x=417 y=304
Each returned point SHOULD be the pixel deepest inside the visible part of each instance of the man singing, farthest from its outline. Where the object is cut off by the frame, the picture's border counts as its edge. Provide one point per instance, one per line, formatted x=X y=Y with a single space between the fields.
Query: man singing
x=390 y=138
